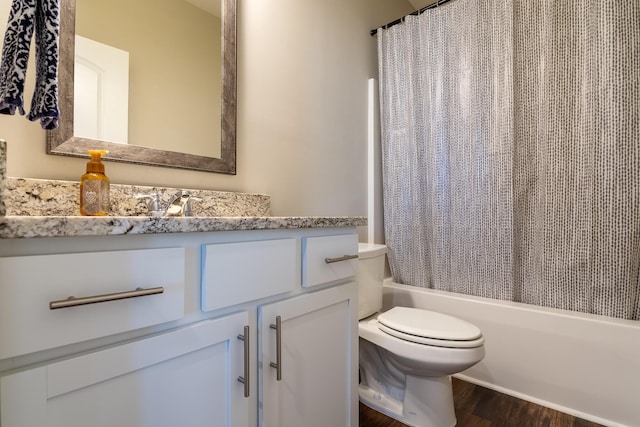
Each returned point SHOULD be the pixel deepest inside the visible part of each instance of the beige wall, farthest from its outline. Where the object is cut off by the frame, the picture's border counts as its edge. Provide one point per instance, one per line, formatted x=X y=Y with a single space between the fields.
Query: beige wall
x=302 y=110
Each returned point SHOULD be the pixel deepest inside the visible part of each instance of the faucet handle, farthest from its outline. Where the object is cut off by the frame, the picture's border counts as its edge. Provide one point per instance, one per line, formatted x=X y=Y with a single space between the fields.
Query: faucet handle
x=154 y=204
x=187 y=208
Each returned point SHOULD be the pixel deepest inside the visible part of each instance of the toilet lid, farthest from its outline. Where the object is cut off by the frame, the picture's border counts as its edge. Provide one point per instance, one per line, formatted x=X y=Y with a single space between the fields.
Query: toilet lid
x=430 y=327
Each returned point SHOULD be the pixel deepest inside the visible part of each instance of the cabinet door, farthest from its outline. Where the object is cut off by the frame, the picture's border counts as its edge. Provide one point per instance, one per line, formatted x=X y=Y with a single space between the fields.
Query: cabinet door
x=186 y=377
x=318 y=360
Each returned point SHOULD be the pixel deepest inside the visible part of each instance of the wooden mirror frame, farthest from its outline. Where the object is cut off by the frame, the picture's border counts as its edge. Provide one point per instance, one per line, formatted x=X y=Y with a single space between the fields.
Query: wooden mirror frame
x=61 y=141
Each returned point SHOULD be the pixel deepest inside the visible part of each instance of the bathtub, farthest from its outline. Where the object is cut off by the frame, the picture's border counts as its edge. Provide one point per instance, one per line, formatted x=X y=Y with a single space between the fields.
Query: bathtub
x=581 y=364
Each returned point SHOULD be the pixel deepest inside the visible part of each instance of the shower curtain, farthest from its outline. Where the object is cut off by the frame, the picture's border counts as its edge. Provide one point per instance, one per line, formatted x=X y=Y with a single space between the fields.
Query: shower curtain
x=511 y=151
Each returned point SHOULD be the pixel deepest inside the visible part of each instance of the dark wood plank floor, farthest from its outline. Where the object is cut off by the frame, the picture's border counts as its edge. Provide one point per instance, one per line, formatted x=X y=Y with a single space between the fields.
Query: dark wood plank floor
x=480 y=407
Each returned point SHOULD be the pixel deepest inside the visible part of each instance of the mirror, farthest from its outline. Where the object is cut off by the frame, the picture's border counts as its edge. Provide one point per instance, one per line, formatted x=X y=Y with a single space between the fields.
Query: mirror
x=151 y=151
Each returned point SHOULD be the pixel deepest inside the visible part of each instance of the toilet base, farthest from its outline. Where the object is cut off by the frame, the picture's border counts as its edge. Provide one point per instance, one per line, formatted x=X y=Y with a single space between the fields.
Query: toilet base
x=428 y=402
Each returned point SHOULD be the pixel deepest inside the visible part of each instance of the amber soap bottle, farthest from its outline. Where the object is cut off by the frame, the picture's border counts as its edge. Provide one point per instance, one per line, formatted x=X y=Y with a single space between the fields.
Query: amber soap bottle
x=94 y=187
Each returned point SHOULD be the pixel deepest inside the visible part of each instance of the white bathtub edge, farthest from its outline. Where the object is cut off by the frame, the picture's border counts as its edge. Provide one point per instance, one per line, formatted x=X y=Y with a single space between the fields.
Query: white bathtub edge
x=580 y=364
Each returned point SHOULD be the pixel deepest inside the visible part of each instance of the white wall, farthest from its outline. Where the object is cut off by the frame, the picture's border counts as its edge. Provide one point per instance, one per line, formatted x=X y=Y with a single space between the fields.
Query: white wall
x=302 y=110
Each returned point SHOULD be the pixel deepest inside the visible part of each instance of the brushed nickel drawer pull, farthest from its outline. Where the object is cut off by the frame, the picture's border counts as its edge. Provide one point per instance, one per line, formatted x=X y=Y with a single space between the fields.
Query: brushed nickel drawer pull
x=278 y=364
x=342 y=258
x=73 y=301
x=245 y=380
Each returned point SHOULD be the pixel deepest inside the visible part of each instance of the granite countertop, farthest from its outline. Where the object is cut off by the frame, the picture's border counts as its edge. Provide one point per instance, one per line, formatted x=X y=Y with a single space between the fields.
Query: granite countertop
x=49 y=208
x=17 y=227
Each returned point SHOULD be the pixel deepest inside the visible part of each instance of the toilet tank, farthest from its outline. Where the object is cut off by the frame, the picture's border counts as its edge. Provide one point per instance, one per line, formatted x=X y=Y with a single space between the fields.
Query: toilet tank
x=371 y=259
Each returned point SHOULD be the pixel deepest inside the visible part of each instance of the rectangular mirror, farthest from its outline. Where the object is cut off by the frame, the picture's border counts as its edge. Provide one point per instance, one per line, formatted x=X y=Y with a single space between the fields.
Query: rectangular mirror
x=170 y=123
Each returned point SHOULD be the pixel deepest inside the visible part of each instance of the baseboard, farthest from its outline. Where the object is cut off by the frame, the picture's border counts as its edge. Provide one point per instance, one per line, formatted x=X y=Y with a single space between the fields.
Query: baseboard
x=546 y=404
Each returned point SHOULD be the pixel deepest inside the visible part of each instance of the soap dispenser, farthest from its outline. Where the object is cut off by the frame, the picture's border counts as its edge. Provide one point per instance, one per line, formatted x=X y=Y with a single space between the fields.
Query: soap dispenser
x=94 y=187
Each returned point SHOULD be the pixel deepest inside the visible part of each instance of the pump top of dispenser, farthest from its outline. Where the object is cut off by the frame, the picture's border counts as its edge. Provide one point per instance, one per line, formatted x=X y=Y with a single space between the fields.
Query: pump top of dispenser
x=95 y=165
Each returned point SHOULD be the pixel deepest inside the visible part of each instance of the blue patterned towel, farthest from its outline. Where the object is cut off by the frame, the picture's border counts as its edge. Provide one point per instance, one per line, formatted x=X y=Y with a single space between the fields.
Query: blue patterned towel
x=25 y=16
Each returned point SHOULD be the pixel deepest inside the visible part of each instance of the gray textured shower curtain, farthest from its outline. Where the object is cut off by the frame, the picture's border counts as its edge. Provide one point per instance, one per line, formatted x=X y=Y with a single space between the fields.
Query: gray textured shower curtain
x=511 y=151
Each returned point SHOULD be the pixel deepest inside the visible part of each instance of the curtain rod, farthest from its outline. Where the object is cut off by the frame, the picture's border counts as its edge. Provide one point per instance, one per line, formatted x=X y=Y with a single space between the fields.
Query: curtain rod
x=417 y=12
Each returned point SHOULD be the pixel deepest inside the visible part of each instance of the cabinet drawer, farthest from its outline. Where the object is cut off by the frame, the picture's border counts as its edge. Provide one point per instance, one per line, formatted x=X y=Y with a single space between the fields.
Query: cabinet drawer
x=329 y=258
x=233 y=273
x=29 y=284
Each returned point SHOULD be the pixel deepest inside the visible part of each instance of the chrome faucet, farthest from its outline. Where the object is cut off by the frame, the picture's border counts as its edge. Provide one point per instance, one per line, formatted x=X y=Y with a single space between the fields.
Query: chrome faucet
x=154 y=204
x=179 y=204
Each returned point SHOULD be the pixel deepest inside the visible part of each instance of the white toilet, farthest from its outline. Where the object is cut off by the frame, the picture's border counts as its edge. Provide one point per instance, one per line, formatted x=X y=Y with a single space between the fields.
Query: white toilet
x=407 y=354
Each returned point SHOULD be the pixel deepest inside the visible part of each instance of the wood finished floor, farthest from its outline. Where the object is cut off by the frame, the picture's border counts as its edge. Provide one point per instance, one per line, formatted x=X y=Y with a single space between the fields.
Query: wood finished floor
x=480 y=407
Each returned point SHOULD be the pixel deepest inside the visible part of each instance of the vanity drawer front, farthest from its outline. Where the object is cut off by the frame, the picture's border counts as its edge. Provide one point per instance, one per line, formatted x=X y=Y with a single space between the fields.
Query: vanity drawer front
x=329 y=258
x=28 y=285
x=233 y=273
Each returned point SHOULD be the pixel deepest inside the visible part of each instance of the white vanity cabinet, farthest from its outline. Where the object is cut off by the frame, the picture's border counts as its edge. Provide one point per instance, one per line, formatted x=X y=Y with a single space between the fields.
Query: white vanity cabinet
x=184 y=377
x=202 y=352
x=115 y=281
x=306 y=344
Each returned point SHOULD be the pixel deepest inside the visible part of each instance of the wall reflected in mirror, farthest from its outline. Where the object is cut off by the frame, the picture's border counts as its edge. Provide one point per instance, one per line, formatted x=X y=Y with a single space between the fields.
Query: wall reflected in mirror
x=142 y=66
x=181 y=78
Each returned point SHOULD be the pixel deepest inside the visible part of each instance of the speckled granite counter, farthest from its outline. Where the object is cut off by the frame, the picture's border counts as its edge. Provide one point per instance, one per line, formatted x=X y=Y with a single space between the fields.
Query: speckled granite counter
x=15 y=227
x=49 y=208
x=41 y=197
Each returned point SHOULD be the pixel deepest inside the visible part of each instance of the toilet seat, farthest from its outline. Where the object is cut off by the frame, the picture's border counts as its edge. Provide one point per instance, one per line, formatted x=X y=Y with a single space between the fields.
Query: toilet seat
x=429 y=328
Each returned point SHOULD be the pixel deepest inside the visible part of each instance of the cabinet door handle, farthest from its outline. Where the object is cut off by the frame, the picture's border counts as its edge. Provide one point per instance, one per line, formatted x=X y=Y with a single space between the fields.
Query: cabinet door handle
x=278 y=364
x=73 y=301
x=245 y=380
x=342 y=258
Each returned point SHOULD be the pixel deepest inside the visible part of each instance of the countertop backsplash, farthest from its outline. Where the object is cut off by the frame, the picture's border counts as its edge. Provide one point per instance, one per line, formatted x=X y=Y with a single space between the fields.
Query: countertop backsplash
x=38 y=197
